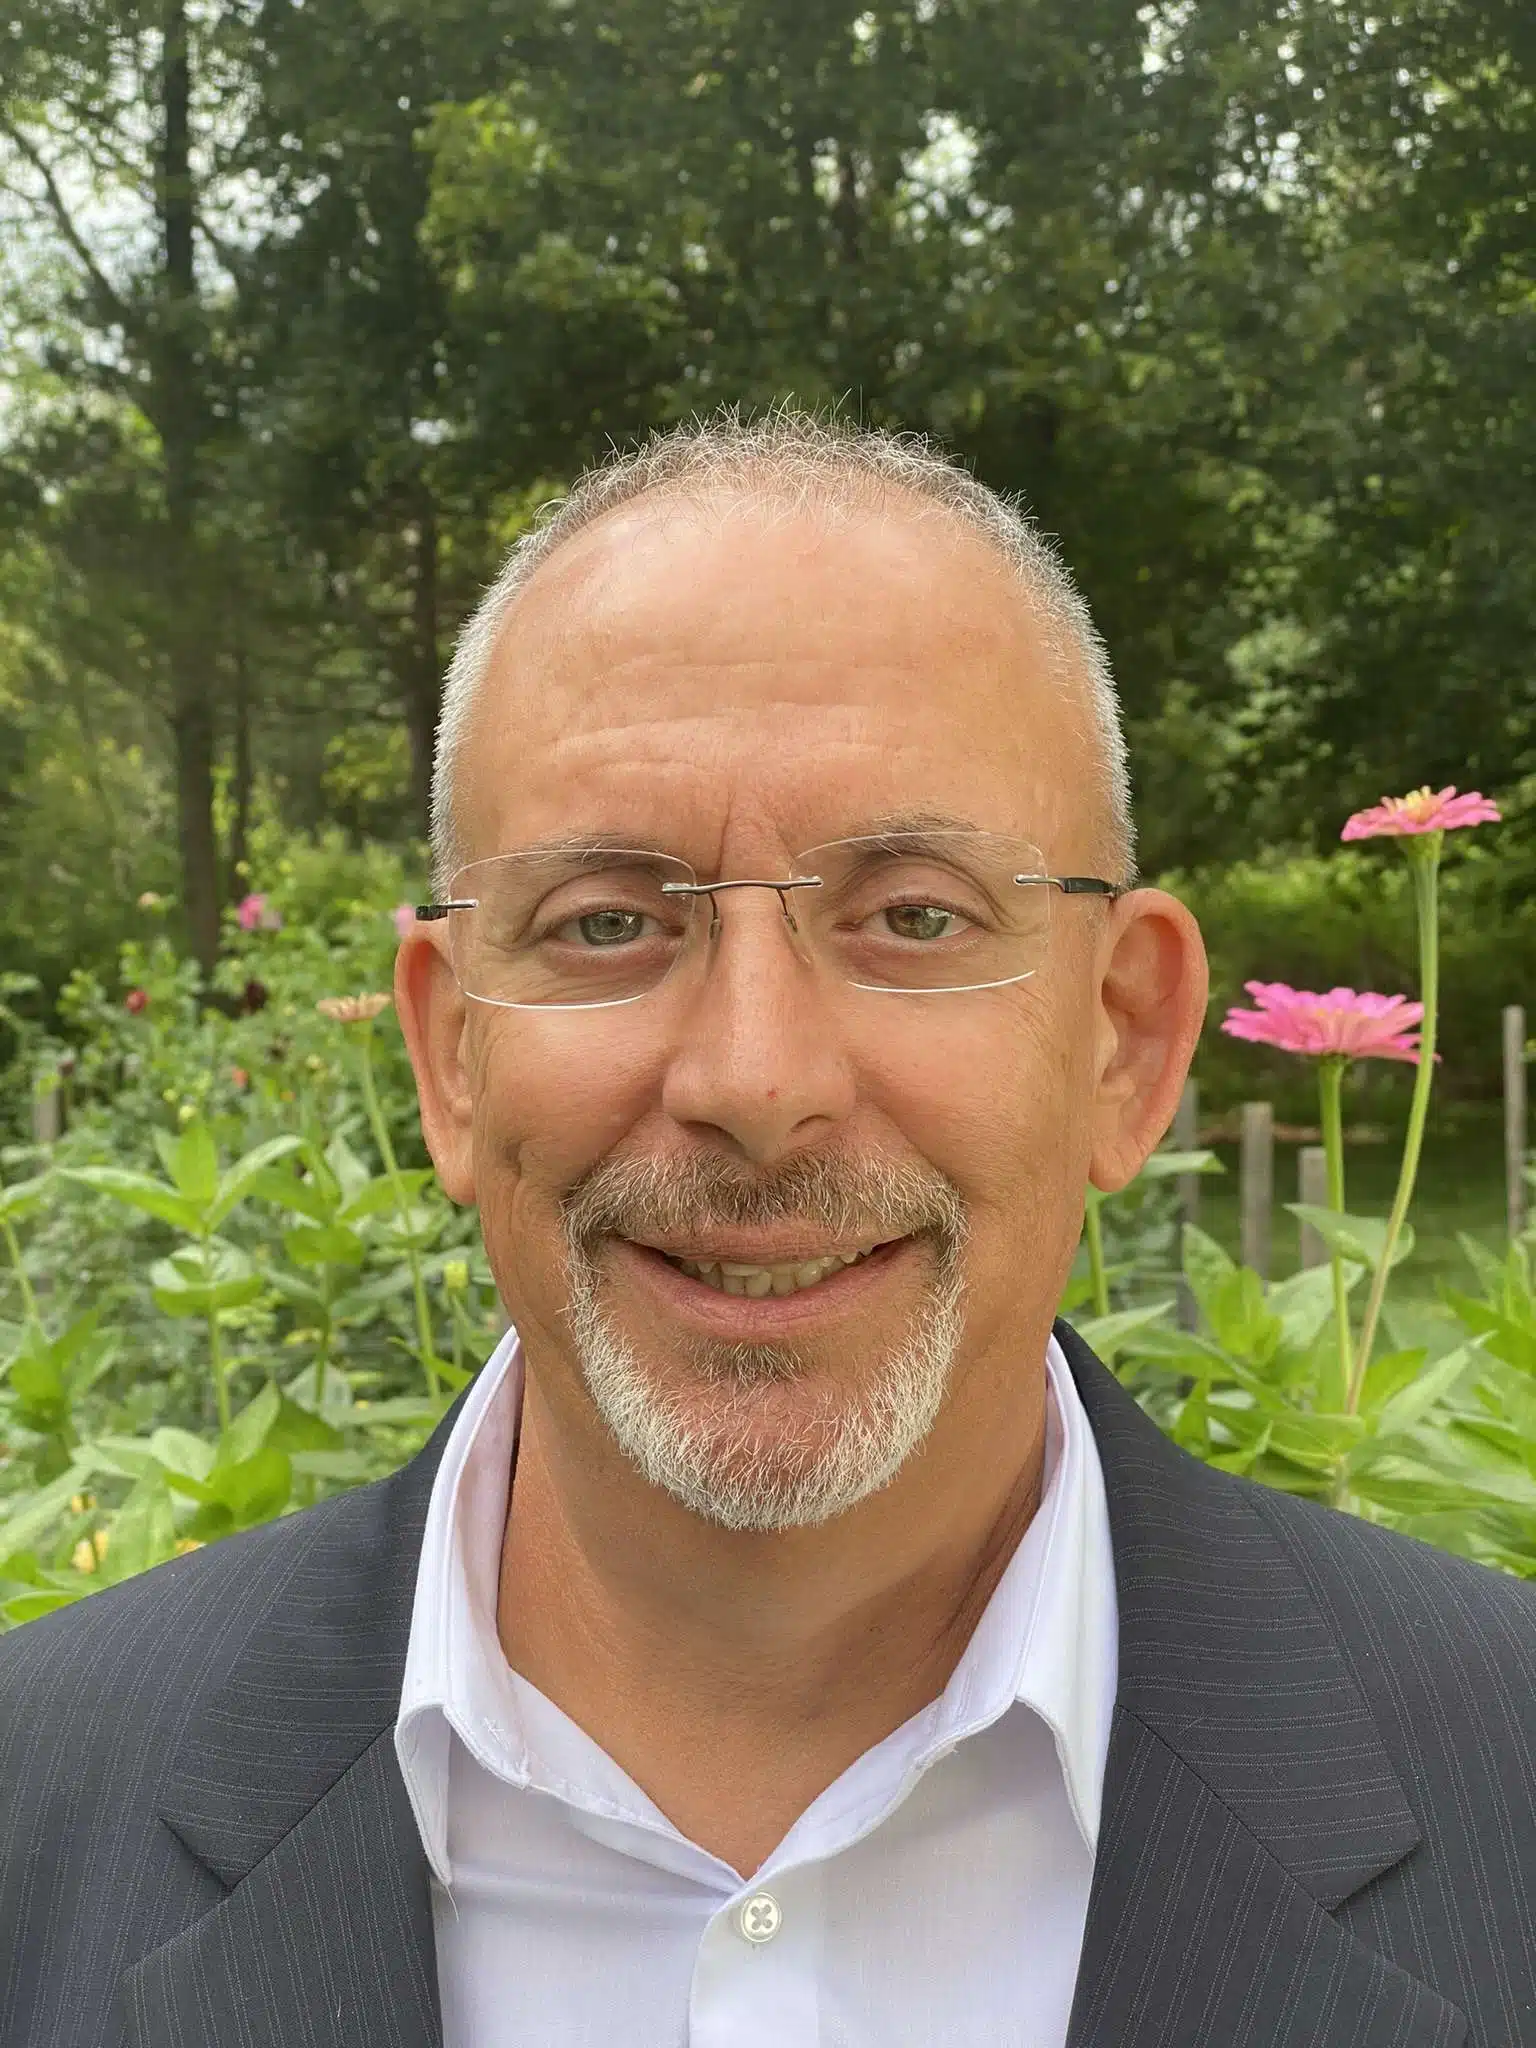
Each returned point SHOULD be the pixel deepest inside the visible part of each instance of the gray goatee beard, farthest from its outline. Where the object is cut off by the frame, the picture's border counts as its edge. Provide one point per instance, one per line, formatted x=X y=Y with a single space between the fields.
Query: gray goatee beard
x=709 y=1453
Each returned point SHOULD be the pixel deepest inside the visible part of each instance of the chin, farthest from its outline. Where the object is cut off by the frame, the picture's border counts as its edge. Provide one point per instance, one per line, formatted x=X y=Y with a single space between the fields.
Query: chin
x=769 y=1437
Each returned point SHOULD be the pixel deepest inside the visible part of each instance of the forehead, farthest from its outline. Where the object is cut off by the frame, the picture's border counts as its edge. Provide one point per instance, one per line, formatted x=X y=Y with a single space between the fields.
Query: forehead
x=685 y=672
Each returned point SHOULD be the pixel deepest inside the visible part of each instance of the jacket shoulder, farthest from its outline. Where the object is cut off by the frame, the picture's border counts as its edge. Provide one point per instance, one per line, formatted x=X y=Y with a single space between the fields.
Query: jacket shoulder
x=1439 y=1644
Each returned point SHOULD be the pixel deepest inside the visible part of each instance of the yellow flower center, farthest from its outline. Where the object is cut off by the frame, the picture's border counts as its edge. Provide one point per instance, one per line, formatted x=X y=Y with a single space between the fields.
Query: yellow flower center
x=1418 y=803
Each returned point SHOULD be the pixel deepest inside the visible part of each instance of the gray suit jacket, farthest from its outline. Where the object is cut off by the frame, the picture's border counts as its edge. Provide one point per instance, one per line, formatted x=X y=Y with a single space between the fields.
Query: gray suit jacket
x=1319 y=1824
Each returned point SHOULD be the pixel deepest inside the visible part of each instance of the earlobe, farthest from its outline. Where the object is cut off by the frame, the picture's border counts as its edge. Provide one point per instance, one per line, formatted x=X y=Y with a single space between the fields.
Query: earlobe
x=432 y=1009
x=1152 y=997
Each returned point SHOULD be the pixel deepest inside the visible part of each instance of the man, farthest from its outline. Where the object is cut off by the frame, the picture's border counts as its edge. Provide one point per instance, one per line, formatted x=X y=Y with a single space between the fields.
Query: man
x=789 y=1638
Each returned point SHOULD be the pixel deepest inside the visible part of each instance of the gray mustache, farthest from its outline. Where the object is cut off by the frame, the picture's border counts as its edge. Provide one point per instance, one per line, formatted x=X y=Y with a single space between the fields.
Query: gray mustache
x=840 y=1194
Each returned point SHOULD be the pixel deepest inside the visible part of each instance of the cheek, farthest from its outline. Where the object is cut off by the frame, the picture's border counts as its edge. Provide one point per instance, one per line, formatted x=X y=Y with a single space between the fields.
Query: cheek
x=994 y=1094
x=552 y=1097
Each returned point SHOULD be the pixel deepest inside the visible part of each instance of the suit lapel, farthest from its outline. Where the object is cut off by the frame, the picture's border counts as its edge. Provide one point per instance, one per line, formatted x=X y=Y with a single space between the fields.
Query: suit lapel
x=1247 y=1791
x=328 y=1940
x=288 y=1790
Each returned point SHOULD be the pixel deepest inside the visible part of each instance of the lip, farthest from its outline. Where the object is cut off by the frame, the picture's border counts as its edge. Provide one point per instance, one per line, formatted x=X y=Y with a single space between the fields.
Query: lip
x=761 y=1251
x=741 y=1319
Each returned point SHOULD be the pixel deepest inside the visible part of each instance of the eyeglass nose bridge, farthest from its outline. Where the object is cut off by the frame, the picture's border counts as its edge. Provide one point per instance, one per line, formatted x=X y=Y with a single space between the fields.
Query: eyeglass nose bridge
x=711 y=890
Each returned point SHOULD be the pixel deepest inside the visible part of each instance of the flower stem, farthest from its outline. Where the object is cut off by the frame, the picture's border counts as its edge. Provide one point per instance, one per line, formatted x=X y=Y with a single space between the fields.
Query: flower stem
x=1424 y=854
x=1330 y=1083
x=1094 y=1234
x=28 y=1298
x=380 y=1131
x=220 y=1382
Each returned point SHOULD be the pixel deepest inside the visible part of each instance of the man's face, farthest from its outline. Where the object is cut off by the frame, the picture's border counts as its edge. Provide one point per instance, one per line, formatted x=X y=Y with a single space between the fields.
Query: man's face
x=732 y=687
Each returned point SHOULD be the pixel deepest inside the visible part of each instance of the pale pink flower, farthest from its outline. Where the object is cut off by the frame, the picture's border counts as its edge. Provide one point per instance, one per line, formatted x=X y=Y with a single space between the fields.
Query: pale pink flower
x=352 y=1009
x=405 y=919
x=256 y=915
x=1359 y=1027
x=1425 y=810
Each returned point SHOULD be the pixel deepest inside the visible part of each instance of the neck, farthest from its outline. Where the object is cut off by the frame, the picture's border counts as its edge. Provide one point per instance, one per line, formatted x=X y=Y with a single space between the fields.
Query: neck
x=733 y=1675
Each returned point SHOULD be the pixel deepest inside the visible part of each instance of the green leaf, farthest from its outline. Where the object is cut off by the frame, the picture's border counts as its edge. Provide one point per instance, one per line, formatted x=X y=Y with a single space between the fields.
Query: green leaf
x=1107 y=1335
x=378 y=1197
x=250 y=1428
x=23 y=1197
x=320 y=1244
x=199 y=1281
x=1304 y=1302
x=1413 y=1402
x=1165 y=1165
x=192 y=1162
x=242 y=1178
x=310 y=1197
x=295 y=1429
x=142 y=1532
x=44 y=1507
x=179 y=1451
x=1354 y=1237
x=1206 y=1265
x=1388 y=1375
x=256 y=1489
x=352 y=1175
x=139 y=1191
x=1239 y=1320
x=33 y=1606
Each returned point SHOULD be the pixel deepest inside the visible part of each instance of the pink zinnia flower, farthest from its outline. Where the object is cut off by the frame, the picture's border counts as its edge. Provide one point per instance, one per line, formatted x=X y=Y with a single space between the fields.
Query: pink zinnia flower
x=405 y=919
x=254 y=914
x=1360 y=1027
x=136 y=1000
x=1426 y=810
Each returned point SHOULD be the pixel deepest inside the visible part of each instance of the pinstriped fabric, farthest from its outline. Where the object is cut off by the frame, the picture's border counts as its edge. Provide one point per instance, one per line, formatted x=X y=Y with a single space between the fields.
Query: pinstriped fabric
x=1447 y=1659
x=1318 y=1817
x=328 y=1938
x=1313 y=1714
x=101 y=1703
x=1196 y=1935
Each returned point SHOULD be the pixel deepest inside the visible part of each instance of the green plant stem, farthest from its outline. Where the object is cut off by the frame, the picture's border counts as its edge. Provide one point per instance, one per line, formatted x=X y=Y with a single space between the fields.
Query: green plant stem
x=380 y=1131
x=220 y=1382
x=28 y=1298
x=1094 y=1233
x=1425 y=856
x=1330 y=1089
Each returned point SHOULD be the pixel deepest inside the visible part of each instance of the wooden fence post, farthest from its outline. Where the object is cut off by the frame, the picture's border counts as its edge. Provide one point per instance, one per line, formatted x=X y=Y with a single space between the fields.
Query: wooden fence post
x=1186 y=1138
x=1312 y=1188
x=1257 y=1183
x=1515 y=1191
x=47 y=1115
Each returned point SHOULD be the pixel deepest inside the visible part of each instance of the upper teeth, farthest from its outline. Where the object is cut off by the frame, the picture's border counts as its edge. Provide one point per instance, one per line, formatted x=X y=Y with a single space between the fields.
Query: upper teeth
x=732 y=1277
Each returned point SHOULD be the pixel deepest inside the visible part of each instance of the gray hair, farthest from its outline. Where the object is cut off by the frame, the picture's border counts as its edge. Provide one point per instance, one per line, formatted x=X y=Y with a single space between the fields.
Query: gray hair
x=793 y=458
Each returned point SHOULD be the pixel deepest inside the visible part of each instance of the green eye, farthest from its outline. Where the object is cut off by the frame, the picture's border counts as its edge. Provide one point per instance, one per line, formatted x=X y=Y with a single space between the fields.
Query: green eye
x=920 y=921
x=610 y=927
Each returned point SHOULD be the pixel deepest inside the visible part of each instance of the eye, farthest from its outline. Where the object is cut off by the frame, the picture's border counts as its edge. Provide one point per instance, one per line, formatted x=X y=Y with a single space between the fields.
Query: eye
x=605 y=928
x=921 y=921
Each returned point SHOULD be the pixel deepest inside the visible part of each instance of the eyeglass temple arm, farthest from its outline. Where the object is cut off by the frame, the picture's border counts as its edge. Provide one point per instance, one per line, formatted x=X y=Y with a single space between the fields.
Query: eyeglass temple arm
x=1079 y=885
x=426 y=912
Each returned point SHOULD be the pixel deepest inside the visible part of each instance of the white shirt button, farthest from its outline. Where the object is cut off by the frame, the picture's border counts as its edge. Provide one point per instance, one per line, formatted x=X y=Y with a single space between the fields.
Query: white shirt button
x=759 y=1918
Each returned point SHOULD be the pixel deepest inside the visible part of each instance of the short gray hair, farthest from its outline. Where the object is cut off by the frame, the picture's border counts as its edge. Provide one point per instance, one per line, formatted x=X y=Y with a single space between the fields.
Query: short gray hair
x=791 y=457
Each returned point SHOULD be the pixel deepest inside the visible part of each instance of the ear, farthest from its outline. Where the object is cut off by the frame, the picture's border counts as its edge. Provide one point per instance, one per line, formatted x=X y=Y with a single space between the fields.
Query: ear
x=1153 y=984
x=433 y=1016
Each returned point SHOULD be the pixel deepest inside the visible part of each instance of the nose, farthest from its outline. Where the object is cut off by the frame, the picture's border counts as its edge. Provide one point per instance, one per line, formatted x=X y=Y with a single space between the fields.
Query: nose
x=758 y=1058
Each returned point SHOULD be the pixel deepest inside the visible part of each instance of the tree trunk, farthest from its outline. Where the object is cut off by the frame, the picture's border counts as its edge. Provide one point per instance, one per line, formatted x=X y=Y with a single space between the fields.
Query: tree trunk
x=422 y=669
x=178 y=414
x=244 y=777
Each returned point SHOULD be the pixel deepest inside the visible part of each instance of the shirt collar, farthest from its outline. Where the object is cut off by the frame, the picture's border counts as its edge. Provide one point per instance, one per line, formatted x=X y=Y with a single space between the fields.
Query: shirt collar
x=1047 y=1639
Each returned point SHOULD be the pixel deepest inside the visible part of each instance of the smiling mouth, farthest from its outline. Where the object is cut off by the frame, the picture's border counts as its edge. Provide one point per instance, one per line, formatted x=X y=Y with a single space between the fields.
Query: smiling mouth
x=732 y=1276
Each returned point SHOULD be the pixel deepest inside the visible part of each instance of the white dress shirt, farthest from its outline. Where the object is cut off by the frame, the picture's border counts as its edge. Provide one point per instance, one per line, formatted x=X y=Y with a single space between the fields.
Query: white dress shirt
x=934 y=1894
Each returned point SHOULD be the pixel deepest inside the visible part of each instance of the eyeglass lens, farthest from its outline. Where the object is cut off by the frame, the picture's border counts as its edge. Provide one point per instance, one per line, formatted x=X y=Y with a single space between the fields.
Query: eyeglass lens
x=920 y=912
